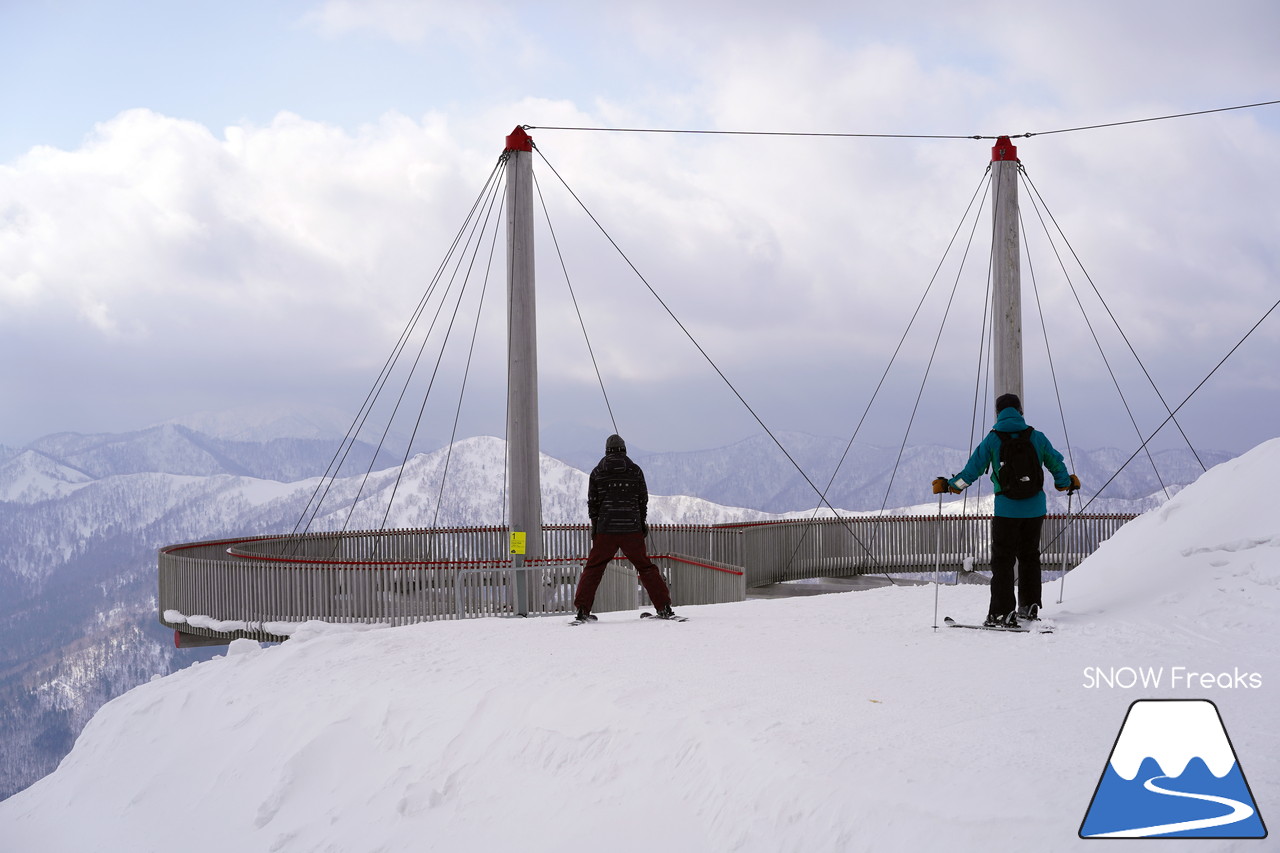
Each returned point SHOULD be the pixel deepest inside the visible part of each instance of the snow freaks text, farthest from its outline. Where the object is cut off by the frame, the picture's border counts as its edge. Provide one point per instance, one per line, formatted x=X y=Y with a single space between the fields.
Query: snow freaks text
x=1171 y=677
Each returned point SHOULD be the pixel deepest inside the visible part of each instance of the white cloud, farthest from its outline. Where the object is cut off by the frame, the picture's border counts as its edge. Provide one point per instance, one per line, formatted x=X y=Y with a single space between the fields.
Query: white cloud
x=405 y=20
x=260 y=253
x=283 y=258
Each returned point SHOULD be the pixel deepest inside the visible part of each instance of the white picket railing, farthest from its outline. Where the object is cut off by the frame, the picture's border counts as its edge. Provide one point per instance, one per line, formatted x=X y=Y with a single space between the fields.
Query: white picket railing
x=264 y=588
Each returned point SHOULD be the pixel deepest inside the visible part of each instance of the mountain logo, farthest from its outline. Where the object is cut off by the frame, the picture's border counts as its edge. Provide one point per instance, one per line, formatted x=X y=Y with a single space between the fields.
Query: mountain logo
x=1173 y=773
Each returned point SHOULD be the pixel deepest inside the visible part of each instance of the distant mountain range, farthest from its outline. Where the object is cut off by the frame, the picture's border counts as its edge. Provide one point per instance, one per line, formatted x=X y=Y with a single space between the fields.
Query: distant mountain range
x=81 y=517
x=755 y=473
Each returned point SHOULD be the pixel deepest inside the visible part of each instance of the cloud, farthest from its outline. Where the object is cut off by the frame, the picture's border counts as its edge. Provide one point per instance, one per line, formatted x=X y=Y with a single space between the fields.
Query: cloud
x=165 y=266
x=405 y=21
x=258 y=254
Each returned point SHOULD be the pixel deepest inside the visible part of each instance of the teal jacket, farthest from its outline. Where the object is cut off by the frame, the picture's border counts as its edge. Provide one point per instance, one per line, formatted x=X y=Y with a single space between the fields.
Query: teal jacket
x=986 y=457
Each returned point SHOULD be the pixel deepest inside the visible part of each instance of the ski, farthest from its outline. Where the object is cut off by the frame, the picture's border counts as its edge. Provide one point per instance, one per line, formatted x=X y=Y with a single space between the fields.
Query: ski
x=648 y=615
x=1037 y=624
x=1024 y=628
x=590 y=618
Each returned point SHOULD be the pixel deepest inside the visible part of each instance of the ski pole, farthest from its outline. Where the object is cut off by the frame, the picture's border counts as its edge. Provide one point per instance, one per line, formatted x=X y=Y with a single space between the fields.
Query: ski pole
x=1062 y=581
x=937 y=565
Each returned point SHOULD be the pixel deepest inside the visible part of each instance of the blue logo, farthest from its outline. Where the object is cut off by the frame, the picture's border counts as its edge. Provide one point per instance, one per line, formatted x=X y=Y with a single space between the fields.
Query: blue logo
x=1173 y=773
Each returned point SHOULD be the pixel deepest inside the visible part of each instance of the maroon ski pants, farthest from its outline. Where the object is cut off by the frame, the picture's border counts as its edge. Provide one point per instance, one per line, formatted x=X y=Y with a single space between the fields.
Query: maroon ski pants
x=604 y=547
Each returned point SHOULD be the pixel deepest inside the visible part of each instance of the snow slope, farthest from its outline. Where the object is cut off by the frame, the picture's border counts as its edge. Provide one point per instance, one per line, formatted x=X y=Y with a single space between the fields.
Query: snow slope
x=831 y=723
x=31 y=476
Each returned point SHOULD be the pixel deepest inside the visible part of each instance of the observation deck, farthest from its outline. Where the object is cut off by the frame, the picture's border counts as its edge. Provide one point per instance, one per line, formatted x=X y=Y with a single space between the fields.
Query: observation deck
x=266 y=587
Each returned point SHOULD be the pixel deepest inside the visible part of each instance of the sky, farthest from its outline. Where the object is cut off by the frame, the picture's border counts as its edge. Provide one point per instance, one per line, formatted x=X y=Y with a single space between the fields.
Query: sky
x=208 y=206
x=876 y=731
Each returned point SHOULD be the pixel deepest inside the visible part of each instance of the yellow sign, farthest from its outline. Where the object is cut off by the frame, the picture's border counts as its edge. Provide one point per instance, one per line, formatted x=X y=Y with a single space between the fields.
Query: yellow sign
x=517 y=543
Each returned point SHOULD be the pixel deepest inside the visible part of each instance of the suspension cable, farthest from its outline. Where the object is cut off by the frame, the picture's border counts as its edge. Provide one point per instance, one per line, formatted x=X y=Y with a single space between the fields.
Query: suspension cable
x=573 y=296
x=901 y=340
x=700 y=132
x=929 y=366
x=983 y=369
x=1048 y=349
x=1185 y=400
x=330 y=476
x=1098 y=343
x=1141 y=120
x=893 y=358
x=475 y=223
x=466 y=372
x=478 y=232
x=937 y=341
x=932 y=355
x=899 y=135
x=1089 y=278
x=708 y=359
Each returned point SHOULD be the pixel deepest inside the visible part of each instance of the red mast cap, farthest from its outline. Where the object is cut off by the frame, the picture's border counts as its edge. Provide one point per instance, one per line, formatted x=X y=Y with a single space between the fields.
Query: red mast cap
x=1003 y=150
x=518 y=140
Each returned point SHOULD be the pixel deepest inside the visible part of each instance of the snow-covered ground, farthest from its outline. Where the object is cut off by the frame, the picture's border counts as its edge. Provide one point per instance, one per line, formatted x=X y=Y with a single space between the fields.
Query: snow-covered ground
x=832 y=723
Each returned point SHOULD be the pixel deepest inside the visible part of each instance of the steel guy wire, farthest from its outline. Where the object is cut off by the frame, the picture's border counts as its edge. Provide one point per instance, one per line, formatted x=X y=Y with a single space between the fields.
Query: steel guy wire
x=1036 y=195
x=708 y=358
x=893 y=358
x=573 y=296
x=853 y=135
x=330 y=475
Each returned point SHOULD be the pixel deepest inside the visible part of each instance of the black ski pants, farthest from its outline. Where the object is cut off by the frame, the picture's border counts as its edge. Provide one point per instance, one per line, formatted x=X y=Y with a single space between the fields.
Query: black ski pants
x=1015 y=540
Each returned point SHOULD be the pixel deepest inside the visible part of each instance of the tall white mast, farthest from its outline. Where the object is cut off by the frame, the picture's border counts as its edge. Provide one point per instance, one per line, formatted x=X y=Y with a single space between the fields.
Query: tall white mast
x=1006 y=297
x=525 y=488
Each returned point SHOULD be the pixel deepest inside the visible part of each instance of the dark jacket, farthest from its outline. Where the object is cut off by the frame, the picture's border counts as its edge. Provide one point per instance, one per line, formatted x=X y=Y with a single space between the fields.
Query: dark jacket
x=987 y=457
x=617 y=498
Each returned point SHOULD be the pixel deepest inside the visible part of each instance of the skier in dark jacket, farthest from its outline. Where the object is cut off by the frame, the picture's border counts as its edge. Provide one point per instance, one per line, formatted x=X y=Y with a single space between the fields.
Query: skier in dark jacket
x=618 y=504
x=1015 y=529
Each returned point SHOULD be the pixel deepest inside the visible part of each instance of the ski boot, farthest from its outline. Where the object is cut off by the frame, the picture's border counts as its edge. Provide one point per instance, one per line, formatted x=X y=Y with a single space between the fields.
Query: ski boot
x=1008 y=620
x=584 y=616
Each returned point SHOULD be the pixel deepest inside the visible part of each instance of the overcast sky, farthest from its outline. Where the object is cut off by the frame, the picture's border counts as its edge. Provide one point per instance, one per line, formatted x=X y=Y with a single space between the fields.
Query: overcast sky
x=214 y=205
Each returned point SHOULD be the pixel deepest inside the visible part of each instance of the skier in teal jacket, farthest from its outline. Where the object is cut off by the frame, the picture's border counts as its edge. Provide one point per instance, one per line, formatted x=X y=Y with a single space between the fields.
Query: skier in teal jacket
x=1015 y=529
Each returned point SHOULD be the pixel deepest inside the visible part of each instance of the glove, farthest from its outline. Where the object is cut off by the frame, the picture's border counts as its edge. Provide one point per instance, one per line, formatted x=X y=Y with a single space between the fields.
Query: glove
x=595 y=528
x=943 y=485
x=644 y=527
x=1072 y=488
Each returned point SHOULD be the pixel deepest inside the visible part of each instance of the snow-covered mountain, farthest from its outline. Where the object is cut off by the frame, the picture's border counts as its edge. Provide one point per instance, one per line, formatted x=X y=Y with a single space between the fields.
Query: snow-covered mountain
x=834 y=723
x=81 y=517
x=265 y=423
x=175 y=449
x=30 y=476
x=755 y=473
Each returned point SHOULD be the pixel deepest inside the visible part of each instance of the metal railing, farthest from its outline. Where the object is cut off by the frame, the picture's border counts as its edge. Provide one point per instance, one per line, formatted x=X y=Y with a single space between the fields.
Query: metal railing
x=264 y=588
x=779 y=551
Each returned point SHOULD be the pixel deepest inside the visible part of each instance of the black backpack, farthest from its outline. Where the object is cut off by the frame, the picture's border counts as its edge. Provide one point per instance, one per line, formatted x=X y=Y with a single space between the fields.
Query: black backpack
x=1020 y=475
